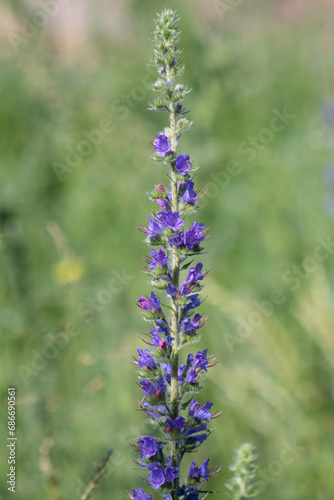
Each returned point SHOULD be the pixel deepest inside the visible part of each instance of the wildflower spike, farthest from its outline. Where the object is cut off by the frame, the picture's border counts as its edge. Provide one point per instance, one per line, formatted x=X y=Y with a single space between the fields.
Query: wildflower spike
x=165 y=380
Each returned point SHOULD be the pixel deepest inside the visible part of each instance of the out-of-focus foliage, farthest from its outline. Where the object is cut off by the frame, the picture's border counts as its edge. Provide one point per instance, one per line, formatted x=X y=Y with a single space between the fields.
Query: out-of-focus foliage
x=69 y=248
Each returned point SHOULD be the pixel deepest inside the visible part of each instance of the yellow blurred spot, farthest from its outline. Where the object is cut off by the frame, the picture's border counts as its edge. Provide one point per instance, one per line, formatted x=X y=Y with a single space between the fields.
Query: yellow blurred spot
x=67 y=271
x=86 y=359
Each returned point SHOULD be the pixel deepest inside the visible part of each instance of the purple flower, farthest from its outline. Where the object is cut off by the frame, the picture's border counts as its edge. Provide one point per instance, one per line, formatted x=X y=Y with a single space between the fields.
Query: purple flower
x=195 y=274
x=159 y=259
x=163 y=203
x=194 y=235
x=188 y=493
x=184 y=290
x=199 y=361
x=192 y=376
x=180 y=373
x=198 y=412
x=182 y=164
x=157 y=412
x=178 y=424
x=167 y=368
x=191 y=325
x=198 y=428
x=153 y=229
x=148 y=447
x=178 y=239
x=201 y=472
x=160 y=475
x=161 y=326
x=193 y=438
x=145 y=359
x=144 y=303
x=148 y=304
x=157 y=341
x=161 y=145
x=171 y=290
x=140 y=495
x=193 y=302
x=149 y=388
x=169 y=220
x=199 y=438
x=171 y=473
x=155 y=338
x=161 y=386
x=155 y=301
x=190 y=195
x=156 y=477
x=191 y=238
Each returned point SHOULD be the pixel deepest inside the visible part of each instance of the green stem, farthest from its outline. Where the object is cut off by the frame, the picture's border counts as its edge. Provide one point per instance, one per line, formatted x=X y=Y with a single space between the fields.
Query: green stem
x=175 y=279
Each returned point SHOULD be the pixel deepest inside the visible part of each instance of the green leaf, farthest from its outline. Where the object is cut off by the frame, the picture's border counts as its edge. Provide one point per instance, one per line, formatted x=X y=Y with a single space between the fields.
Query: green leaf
x=185 y=405
x=167 y=306
x=188 y=264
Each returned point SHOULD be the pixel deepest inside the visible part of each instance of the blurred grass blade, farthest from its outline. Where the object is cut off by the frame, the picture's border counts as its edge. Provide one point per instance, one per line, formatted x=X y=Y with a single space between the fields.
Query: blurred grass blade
x=97 y=476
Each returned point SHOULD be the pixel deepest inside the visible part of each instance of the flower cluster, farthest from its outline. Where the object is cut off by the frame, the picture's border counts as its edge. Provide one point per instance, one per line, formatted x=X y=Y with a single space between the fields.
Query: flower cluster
x=169 y=386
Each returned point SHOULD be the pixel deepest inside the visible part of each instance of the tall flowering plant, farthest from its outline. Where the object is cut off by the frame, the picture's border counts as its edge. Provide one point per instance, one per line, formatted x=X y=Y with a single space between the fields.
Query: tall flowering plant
x=169 y=382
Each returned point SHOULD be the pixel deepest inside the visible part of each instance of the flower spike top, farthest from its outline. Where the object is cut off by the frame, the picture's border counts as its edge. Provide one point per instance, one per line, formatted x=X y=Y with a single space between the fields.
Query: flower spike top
x=168 y=383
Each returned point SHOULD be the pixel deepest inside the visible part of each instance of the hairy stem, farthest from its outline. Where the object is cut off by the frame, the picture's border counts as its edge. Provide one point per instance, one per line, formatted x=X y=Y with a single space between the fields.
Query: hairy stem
x=175 y=278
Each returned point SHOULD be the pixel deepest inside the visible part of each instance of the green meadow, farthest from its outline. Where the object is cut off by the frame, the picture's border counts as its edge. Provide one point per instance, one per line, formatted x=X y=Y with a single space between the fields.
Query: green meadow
x=75 y=138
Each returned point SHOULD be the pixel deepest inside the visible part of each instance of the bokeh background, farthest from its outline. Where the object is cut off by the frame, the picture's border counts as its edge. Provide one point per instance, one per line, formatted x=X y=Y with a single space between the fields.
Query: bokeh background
x=70 y=201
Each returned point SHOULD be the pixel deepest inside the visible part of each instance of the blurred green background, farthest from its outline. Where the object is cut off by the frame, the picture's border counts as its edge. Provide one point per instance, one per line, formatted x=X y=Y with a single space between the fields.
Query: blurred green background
x=69 y=211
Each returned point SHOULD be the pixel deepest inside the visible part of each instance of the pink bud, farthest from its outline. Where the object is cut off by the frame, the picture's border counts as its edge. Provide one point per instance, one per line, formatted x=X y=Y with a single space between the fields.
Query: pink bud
x=162 y=345
x=160 y=187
